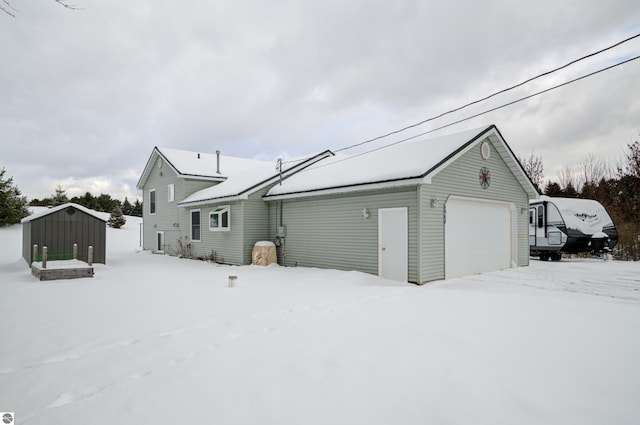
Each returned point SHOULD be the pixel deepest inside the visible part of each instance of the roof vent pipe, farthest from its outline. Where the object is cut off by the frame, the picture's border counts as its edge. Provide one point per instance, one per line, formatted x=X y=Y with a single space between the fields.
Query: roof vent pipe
x=198 y=155
x=218 y=161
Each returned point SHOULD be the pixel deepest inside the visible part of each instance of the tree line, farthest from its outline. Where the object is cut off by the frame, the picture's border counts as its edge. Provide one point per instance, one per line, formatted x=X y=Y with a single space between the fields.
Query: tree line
x=102 y=203
x=615 y=186
x=14 y=206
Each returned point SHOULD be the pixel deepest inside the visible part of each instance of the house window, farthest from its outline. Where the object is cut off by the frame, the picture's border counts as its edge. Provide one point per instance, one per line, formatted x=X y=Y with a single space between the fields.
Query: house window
x=219 y=219
x=152 y=201
x=195 y=225
x=170 y=192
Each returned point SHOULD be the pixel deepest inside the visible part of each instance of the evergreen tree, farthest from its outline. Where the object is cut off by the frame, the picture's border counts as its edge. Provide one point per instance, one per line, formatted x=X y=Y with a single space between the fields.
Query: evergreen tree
x=127 y=208
x=137 y=208
x=553 y=189
x=60 y=197
x=570 y=191
x=13 y=206
x=35 y=202
x=87 y=200
x=116 y=220
x=106 y=203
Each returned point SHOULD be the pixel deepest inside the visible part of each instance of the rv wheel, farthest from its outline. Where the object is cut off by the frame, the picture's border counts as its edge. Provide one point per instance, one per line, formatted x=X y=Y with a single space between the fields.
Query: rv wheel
x=556 y=256
x=544 y=256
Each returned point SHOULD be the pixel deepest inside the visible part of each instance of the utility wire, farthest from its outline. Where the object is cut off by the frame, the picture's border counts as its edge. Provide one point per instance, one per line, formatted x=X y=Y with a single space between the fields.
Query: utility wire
x=480 y=113
x=491 y=95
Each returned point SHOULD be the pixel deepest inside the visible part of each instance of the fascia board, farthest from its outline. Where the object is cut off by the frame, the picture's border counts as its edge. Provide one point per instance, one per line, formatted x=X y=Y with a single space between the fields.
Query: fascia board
x=348 y=189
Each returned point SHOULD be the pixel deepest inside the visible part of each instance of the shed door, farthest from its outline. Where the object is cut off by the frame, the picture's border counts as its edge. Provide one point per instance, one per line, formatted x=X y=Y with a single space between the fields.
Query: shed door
x=478 y=236
x=393 y=243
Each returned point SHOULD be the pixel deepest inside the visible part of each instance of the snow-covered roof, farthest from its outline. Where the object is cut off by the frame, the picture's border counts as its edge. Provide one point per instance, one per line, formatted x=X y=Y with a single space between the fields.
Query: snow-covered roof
x=51 y=210
x=399 y=164
x=198 y=164
x=586 y=215
x=247 y=176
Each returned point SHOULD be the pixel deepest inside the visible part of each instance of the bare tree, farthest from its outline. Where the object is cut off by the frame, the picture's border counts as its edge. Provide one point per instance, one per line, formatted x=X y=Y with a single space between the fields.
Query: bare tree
x=533 y=167
x=7 y=7
x=567 y=177
x=593 y=169
x=633 y=159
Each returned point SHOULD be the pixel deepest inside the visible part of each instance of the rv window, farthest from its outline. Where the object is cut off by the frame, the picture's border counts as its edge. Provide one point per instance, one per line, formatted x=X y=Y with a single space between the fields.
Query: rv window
x=540 y=216
x=530 y=217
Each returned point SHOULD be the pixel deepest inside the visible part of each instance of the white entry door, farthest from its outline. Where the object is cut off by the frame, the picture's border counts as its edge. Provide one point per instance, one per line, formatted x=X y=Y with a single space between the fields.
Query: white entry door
x=160 y=242
x=393 y=243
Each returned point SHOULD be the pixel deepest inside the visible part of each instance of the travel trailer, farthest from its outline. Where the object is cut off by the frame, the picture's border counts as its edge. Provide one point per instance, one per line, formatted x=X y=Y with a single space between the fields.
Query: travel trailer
x=569 y=225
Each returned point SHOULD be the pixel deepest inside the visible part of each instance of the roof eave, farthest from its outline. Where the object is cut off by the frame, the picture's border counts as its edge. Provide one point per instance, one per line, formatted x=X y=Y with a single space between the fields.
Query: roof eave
x=359 y=187
x=244 y=194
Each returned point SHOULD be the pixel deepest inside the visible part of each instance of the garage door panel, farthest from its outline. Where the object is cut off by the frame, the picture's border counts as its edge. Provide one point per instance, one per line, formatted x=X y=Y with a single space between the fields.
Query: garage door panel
x=477 y=237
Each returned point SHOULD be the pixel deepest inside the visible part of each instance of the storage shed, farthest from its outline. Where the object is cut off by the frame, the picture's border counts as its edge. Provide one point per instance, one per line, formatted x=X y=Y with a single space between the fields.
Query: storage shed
x=60 y=227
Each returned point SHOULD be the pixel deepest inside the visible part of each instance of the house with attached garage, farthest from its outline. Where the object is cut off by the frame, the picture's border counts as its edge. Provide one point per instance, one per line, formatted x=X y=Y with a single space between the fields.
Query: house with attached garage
x=209 y=205
x=417 y=211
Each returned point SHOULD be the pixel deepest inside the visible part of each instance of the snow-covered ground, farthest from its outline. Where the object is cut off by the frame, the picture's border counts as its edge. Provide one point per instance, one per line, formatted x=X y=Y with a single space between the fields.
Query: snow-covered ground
x=158 y=340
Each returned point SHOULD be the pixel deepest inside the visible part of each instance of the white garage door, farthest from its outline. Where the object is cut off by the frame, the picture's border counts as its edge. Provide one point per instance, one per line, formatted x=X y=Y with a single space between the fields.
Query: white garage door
x=478 y=236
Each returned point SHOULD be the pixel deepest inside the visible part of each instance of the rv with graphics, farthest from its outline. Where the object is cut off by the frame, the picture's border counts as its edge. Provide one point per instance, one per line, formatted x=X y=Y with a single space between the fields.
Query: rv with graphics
x=569 y=225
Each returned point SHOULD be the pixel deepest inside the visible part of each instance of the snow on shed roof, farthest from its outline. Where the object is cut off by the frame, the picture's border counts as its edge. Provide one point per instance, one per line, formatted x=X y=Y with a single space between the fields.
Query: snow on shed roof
x=51 y=210
x=396 y=163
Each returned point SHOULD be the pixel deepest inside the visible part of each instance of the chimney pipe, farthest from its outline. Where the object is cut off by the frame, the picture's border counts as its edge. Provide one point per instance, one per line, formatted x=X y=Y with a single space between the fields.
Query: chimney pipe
x=218 y=161
x=198 y=155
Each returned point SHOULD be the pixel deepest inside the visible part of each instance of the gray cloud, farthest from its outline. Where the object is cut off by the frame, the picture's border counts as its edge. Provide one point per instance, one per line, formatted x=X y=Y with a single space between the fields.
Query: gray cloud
x=87 y=94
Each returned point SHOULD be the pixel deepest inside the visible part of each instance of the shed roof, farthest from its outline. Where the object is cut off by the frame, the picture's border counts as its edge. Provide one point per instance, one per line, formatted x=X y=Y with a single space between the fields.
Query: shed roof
x=396 y=164
x=52 y=210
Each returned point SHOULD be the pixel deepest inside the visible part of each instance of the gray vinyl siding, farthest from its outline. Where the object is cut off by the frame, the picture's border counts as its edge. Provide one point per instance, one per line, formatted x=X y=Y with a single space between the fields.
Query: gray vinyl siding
x=167 y=213
x=169 y=218
x=461 y=178
x=188 y=187
x=256 y=222
x=330 y=231
x=225 y=245
x=249 y=224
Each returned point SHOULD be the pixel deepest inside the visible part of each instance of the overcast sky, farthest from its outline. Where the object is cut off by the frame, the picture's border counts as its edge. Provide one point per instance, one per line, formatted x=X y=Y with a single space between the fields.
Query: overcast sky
x=85 y=95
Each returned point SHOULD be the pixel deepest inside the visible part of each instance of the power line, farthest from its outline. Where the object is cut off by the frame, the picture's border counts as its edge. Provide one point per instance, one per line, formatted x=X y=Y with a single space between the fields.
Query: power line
x=490 y=96
x=504 y=105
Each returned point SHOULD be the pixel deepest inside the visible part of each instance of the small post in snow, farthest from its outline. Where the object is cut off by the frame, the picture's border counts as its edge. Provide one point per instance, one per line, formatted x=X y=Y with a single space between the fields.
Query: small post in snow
x=232 y=280
x=44 y=257
x=35 y=252
x=75 y=251
x=90 y=256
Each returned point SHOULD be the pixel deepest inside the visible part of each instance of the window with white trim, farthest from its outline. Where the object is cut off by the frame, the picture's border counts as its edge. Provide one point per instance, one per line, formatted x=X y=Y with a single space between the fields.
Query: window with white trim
x=152 y=201
x=220 y=219
x=195 y=225
x=170 y=192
